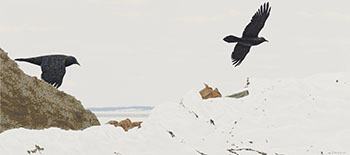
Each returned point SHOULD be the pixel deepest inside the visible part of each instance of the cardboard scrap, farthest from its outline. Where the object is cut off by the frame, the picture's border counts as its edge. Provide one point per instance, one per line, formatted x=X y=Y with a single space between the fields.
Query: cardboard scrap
x=239 y=94
x=208 y=92
x=125 y=124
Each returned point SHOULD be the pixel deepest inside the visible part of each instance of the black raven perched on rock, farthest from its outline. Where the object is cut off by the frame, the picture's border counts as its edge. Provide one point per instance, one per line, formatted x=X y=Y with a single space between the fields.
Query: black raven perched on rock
x=53 y=67
x=250 y=35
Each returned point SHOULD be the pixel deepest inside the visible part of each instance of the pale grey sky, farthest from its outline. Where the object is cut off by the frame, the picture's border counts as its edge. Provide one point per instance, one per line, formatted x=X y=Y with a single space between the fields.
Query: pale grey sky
x=146 y=52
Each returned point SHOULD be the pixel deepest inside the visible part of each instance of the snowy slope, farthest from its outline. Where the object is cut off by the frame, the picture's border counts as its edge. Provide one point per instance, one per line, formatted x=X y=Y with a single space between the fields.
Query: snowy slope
x=287 y=116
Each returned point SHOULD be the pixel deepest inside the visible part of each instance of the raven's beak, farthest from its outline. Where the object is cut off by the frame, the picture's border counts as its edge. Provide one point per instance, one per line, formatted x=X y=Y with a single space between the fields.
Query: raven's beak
x=266 y=40
x=78 y=63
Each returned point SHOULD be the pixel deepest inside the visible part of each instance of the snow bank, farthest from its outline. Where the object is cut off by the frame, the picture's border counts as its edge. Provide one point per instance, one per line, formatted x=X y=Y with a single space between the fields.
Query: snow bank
x=289 y=116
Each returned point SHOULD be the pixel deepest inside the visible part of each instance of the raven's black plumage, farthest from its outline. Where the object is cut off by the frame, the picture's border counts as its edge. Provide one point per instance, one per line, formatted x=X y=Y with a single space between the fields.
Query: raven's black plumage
x=53 y=67
x=250 y=35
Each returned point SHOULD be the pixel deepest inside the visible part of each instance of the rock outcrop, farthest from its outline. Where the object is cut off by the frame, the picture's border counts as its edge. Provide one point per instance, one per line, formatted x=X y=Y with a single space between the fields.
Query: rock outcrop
x=31 y=103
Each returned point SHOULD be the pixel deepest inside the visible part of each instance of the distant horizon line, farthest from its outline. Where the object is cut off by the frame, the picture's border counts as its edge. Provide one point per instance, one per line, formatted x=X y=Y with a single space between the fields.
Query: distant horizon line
x=120 y=108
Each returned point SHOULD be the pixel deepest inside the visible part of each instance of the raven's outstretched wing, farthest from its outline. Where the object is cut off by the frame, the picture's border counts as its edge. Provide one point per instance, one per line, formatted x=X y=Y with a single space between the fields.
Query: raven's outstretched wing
x=53 y=70
x=257 y=22
x=239 y=54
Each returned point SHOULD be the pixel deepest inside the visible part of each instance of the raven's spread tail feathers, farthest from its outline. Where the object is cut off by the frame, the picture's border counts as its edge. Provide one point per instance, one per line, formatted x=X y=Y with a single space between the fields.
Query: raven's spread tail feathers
x=20 y=59
x=36 y=60
x=231 y=39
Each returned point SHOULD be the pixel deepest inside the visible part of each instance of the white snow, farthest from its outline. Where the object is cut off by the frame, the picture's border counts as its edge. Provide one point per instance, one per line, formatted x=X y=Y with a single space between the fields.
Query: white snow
x=306 y=116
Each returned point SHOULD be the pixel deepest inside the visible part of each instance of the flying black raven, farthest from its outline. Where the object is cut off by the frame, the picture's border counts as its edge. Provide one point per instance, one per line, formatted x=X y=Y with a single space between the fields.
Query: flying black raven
x=53 y=67
x=250 y=35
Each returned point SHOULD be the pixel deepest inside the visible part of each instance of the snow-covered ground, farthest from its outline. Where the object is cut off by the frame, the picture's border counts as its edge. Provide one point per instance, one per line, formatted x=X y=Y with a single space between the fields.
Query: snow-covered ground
x=308 y=116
